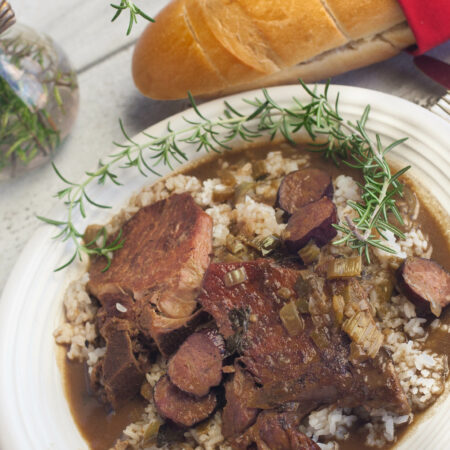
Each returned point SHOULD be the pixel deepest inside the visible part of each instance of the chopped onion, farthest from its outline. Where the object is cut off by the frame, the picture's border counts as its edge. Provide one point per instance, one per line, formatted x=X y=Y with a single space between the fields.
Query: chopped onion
x=344 y=267
x=302 y=305
x=234 y=245
x=292 y=321
x=151 y=431
x=320 y=337
x=338 y=308
x=234 y=277
x=285 y=293
x=351 y=308
x=259 y=169
x=363 y=331
x=363 y=305
x=267 y=244
x=309 y=253
x=302 y=286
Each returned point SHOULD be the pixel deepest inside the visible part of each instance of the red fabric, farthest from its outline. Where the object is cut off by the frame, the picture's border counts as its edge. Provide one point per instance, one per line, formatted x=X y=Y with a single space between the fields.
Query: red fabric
x=429 y=21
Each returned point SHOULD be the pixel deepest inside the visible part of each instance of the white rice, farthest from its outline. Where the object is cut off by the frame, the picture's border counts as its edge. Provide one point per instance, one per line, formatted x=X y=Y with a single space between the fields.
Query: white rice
x=421 y=372
x=345 y=189
x=329 y=422
x=222 y=217
x=381 y=428
x=79 y=331
x=256 y=219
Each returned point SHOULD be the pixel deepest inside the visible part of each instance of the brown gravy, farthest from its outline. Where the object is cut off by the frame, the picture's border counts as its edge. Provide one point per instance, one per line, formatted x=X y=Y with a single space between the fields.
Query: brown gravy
x=101 y=428
x=98 y=427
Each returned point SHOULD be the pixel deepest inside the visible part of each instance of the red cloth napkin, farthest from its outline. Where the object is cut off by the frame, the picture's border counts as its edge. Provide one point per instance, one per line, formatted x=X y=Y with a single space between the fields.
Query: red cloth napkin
x=429 y=21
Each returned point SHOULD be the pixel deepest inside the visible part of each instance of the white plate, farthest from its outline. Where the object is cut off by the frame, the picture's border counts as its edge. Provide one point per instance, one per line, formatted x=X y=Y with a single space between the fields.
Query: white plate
x=34 y=413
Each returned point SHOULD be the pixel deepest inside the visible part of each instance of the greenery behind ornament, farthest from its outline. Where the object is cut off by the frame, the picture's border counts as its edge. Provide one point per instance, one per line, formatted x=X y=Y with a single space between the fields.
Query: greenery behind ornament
x=38 y=99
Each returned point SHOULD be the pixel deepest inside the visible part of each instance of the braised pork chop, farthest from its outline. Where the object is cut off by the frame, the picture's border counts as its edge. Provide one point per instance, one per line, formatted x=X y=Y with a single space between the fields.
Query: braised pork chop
x=311 y=368
x=165 y=254
x=161 y=264
x=275 y=431
x=237 y=416
x=151 y=288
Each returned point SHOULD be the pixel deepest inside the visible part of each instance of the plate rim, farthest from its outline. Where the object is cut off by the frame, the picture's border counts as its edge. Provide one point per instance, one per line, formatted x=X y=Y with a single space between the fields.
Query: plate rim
x=42 y=235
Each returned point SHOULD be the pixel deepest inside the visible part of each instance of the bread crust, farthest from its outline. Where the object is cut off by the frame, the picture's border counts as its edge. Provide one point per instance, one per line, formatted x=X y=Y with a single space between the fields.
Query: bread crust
x=348 y=57
x=400 y=36
x=167 y=61
x=295 y=32
x=211 y=47
x=234 y=58
x=362 y=18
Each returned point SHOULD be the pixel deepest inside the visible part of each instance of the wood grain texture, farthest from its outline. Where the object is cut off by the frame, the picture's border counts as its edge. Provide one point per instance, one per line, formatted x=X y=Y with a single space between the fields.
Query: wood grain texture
x=83 y=27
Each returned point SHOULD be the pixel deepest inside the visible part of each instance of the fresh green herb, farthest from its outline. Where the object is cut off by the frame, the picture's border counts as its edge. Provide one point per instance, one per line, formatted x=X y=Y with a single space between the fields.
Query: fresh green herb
x=76 y=197
x=335 y=138
x=134 y=13
x=239 y=319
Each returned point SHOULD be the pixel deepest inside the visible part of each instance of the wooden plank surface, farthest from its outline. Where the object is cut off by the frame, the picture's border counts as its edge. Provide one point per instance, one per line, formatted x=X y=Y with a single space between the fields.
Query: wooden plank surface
x=83 y=27
x=102 y=54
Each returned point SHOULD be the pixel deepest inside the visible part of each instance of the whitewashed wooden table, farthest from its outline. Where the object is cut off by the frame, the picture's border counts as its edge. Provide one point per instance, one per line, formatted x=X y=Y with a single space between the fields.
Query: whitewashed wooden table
x=101 y=55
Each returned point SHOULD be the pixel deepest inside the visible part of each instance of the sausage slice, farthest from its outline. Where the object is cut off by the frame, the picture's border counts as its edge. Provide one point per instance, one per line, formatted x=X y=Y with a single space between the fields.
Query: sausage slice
x=302 y=187
x=197 y=365
x=425 y=283
x=179 y=407
x=313 y=221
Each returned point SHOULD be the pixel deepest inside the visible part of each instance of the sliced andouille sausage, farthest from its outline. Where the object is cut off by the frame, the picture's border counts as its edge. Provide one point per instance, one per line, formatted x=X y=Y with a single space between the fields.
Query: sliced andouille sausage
x=425 y=283
x=302 y=187
x=179 y=407
x=313 y=221
x=197 y=365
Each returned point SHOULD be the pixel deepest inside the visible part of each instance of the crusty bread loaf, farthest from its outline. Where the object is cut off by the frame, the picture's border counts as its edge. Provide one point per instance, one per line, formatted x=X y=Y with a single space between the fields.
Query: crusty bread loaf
x=211 y=47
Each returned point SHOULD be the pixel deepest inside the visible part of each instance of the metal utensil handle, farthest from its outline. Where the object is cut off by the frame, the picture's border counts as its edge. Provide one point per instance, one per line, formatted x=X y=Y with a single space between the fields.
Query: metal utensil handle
x=442 y=107
x=7 y=16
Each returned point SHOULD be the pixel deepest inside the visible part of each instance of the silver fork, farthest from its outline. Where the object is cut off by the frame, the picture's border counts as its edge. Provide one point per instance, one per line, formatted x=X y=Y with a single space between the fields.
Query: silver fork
x=7 y=17
x=442 y=107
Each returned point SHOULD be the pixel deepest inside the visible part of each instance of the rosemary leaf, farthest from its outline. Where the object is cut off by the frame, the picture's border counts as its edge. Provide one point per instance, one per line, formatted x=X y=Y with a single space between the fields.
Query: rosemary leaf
x=340 y=141
x=134 y=13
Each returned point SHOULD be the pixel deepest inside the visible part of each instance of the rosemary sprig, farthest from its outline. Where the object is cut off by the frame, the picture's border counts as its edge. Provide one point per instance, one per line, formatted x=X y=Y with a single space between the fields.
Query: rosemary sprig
x=134 y=13
x=76 y=197
x=335 y=138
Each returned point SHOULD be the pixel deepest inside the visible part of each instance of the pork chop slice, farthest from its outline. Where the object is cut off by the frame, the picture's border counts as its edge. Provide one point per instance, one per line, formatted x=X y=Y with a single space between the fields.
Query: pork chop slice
x=275 y=431
x=237 y=416
x=310 y=368
x=166 y=251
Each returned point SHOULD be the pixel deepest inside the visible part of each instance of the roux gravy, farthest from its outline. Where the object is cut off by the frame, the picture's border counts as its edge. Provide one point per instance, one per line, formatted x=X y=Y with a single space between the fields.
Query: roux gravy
x=101 y=428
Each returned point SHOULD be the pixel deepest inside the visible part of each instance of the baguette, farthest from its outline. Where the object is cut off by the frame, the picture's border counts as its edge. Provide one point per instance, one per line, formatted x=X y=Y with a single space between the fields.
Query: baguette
x=214 y=47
